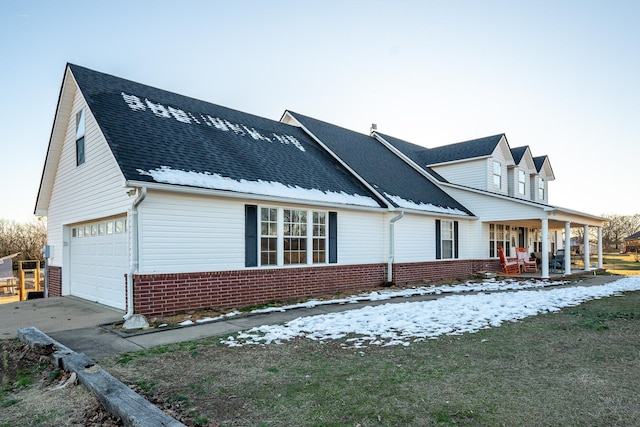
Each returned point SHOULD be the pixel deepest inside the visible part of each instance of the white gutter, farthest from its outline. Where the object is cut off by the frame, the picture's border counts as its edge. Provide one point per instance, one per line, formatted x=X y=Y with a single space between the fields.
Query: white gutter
x=135 y=256
x=392 y=222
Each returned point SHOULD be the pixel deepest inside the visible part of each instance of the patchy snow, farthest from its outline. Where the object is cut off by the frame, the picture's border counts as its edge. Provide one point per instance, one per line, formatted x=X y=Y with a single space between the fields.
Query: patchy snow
x=267 y=188
x=135 y=103
x=409 y=204
x=404 y=323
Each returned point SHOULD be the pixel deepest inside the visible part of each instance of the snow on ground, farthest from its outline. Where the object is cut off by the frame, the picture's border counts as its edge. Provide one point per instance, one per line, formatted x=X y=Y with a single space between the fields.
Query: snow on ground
x=404 y=323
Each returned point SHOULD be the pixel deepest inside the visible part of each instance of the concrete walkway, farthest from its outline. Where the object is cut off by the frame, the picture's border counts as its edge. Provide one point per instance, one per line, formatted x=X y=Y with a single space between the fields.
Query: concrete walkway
x=76 y=323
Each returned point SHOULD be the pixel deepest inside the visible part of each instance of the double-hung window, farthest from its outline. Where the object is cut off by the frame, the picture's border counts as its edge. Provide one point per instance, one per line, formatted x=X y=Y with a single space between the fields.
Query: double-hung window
x=521 y=182
x=446 y=239
x=497 y=175
x=286 y=236
x=541 y=189
x=80 y=124
x=295 y=236
x=268 y=236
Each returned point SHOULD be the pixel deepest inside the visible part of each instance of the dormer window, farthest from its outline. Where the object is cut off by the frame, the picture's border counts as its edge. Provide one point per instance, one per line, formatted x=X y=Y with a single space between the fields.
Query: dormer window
x=80 y=137
x=541 y=189
x=497 y=174
x=521 y=182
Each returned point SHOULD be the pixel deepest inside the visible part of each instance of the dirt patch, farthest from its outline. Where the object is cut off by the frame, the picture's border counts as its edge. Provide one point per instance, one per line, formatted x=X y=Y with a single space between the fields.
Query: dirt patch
x=32 y=392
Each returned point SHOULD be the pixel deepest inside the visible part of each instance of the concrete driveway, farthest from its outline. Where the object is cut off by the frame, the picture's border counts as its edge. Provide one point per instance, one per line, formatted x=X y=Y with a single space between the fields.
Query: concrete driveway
x=66 y=319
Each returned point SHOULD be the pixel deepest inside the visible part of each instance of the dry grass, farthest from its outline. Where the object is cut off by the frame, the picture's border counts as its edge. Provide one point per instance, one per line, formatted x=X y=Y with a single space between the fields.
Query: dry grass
x=28 y=396
x=624 y=264
x=577 y=367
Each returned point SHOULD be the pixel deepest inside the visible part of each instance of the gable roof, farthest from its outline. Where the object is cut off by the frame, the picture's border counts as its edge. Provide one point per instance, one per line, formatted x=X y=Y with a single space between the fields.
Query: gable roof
x=518 y=152
x=401 y=185
x=543 y=166
x=163 y=137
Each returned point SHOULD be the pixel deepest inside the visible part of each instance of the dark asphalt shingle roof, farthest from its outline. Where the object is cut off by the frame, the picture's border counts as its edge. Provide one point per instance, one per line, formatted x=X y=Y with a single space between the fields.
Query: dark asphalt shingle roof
x=417 y=153
x=149 y=128
x=518 y=152
x=539 y=162
x=425 y=157
x=379 y=166
x=463 y=150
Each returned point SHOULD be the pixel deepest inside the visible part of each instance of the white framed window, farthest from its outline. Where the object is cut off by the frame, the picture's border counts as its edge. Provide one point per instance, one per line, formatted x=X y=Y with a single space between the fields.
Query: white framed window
x=497 y=174
x=291 y=236
x=80 y=130
x=319 y=237
x=521 y=182
x=268 y=236
x=541 y=188
x=499 y=235
x=446 y=240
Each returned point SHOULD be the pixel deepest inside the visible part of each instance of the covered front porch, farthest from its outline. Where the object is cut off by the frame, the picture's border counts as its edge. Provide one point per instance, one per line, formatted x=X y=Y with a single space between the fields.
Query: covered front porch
x=548 y=238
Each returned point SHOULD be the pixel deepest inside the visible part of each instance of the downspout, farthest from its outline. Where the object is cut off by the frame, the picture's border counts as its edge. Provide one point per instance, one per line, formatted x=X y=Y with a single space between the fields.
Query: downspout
x=392 y=222
x=135 y=256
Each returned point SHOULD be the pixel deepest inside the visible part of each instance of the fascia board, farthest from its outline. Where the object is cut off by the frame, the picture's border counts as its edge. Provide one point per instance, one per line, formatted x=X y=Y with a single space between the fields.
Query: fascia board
x=56 y=140
x=244 y=196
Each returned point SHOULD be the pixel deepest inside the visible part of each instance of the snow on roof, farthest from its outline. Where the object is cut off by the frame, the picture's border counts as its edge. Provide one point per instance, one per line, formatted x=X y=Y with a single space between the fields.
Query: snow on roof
x=428 y=207
x=218 y=182
x=166 y=112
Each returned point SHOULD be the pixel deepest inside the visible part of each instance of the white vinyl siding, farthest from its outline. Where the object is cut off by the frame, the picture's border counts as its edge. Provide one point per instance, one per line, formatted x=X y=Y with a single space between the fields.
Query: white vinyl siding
x=183 y=233
x=187 y=233
x=471 y=173
x=80 y=194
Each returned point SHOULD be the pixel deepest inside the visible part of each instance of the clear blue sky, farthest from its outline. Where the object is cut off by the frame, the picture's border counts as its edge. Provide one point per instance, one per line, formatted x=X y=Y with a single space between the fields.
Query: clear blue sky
x=560 y=76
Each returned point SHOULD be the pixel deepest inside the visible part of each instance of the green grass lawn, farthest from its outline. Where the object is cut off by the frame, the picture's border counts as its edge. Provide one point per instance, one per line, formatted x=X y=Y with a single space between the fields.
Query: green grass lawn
x=580 y=366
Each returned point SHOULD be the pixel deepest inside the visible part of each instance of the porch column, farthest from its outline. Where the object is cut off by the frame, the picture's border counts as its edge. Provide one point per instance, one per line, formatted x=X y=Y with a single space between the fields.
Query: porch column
x=567 y=247
x=587 y=267
x=600 y=260
x=545 y=248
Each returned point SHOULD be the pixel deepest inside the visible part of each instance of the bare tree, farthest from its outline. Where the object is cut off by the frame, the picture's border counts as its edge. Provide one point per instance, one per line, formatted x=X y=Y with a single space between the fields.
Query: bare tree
x=26 y=238
x=618 y=227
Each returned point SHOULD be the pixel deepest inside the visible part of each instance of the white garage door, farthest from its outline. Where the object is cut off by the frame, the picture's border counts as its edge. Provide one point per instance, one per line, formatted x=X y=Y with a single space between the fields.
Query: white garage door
x=99 y=261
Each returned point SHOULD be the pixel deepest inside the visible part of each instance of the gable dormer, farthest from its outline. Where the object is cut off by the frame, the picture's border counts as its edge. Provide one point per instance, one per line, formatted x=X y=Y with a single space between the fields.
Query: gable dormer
x=480 y=163
x=539 y=180
x=520 y=173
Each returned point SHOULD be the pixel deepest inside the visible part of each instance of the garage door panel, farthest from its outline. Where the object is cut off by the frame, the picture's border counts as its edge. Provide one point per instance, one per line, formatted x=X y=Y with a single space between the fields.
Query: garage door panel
x=98 y=264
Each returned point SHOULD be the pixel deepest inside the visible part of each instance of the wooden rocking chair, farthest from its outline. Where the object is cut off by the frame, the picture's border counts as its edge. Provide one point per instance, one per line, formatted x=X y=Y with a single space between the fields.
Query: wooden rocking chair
x=528 y=264
x=509 y=267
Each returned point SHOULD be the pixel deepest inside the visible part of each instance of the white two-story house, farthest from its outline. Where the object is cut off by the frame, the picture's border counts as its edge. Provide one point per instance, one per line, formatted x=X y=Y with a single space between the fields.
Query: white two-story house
x=158 y=203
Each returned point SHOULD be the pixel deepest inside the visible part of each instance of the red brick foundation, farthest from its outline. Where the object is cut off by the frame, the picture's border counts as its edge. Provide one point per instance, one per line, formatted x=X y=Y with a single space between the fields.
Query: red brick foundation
x=412 y=273
x=157 y=294
x=55 y=281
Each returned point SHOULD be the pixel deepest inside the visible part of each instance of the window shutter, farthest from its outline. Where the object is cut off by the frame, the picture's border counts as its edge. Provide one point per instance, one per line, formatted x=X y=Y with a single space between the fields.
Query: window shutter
x=438 y=240
x=250 y=235
x=455 y=238
x=333 y=237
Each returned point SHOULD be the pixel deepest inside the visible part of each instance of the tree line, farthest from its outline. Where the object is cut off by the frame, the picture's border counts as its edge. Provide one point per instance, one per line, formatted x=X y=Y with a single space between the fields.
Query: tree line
x=617 y=228
x=27 y=238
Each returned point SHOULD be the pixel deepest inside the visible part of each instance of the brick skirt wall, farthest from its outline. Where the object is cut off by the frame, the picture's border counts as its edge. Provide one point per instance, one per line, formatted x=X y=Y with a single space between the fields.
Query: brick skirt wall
x=412 y=273
x=55 y=281
x=157 y=294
